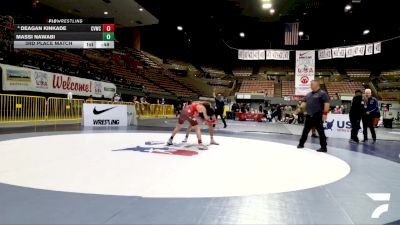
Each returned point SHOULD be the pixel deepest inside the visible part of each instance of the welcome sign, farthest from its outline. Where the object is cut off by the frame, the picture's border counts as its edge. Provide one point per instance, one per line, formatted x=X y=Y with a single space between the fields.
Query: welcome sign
x=24 y=79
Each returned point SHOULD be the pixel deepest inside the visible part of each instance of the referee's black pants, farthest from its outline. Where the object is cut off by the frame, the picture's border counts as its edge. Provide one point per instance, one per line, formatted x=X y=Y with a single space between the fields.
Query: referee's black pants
x=355 y=127
x=220 y=113
x=368 y=122
x=314 y=121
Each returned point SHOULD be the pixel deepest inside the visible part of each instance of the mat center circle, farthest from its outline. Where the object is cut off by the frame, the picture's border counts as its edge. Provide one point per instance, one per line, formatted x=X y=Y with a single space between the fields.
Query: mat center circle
x=140 y=164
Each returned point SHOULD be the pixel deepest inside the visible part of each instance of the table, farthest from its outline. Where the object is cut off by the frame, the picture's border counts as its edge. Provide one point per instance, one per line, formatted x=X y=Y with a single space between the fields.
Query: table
x=249 y=116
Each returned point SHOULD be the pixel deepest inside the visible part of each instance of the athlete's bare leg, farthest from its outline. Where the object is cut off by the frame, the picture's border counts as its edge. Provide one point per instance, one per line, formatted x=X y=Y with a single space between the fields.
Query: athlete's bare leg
x=187 y=133
x=174 y=132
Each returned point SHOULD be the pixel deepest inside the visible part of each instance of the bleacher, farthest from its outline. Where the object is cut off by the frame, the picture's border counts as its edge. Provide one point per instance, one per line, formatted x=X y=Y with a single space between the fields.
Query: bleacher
x=258 y=86
x=125 y=69
x=342 y=87
x=166 y=82
x=392 y=74
x=213 y=72
x=225 y=91
x=242 y=72
x=326 y=71
x=358 y=74
x=389 y=85
x=288 y=88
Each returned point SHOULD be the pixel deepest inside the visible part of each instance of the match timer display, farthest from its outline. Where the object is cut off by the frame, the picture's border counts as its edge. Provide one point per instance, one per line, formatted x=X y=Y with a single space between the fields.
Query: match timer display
x=65 y=34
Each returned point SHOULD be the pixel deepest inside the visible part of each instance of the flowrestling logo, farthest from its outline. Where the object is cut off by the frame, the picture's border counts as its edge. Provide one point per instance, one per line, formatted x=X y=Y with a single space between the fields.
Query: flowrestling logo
x=158 y=147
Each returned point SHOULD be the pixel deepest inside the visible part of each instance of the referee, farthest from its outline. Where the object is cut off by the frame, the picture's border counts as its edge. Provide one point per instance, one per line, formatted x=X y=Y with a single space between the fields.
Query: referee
x=317 y=108
x=219 y=106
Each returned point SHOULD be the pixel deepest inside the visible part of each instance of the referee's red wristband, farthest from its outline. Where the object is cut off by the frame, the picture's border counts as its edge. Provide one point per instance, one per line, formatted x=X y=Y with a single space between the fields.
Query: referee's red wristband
x=325 y=113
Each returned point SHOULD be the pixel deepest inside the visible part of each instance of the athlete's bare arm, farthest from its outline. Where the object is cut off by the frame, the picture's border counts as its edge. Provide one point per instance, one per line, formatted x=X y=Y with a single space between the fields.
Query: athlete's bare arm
x=202 y=109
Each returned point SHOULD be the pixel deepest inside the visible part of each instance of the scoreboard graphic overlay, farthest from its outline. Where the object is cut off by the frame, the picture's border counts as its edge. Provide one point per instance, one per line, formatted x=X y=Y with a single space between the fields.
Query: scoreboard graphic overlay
x=64 y=34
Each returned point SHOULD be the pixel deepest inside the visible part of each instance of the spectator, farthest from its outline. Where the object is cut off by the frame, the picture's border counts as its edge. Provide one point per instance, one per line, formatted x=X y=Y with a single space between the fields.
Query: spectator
x=116 y=98
x=260 y=108
x=279 y=112
x=344 y=109
x=90 y=99
x=337 y=110
x=69 y=97
x=234 y=109
x=134 y=99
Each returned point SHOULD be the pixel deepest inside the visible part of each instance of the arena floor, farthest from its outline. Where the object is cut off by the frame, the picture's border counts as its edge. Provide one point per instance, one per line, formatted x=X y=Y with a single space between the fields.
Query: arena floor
x=65 y=174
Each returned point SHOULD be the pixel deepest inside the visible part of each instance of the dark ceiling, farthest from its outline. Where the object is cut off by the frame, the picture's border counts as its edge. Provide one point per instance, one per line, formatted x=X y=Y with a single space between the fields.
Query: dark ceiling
x=210 y=24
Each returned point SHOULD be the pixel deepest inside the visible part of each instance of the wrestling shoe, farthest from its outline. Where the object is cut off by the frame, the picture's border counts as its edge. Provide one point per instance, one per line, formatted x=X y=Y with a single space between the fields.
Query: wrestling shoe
x=202 y=147
x=300 y=146
x=214 y=143
x=322 y=150
x=185 y=140
x=169 y=142
x=354 y=141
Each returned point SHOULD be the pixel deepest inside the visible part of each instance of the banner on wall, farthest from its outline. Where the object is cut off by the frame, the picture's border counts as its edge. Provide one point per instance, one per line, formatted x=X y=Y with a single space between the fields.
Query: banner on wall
x=325 y=54
x=369 y=49
x=251 y=54
x=339 y=126
x=24 y=79
x=278 y=54
x=330 y=53
x=305 y=71
x=350 y=51
x=377 y=48
x=359 y=50
x=338 y=53
x=263 y=54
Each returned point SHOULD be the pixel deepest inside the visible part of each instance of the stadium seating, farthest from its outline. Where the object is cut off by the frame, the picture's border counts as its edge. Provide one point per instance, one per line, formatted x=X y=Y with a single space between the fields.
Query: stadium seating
x=242 y=72
x=389 y=85
x=288 y=88
x=213 y=73
x=123 y=64
x=343 y=87
x=358 y=74
x=258 y=86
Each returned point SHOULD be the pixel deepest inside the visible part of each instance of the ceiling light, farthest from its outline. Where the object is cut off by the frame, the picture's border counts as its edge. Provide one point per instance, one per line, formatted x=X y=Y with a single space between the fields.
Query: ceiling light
x=266 y=5
x=265 y=0
x=179 y=28
x=272 y=11
x=365 y=32
x=241 y=34
x=140 y=9
x=347 y=7
x=301 y=33
x=105 y=13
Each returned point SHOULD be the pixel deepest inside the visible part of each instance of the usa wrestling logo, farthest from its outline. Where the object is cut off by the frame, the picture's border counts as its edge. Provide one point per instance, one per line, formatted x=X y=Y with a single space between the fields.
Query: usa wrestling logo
x=160 y=148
